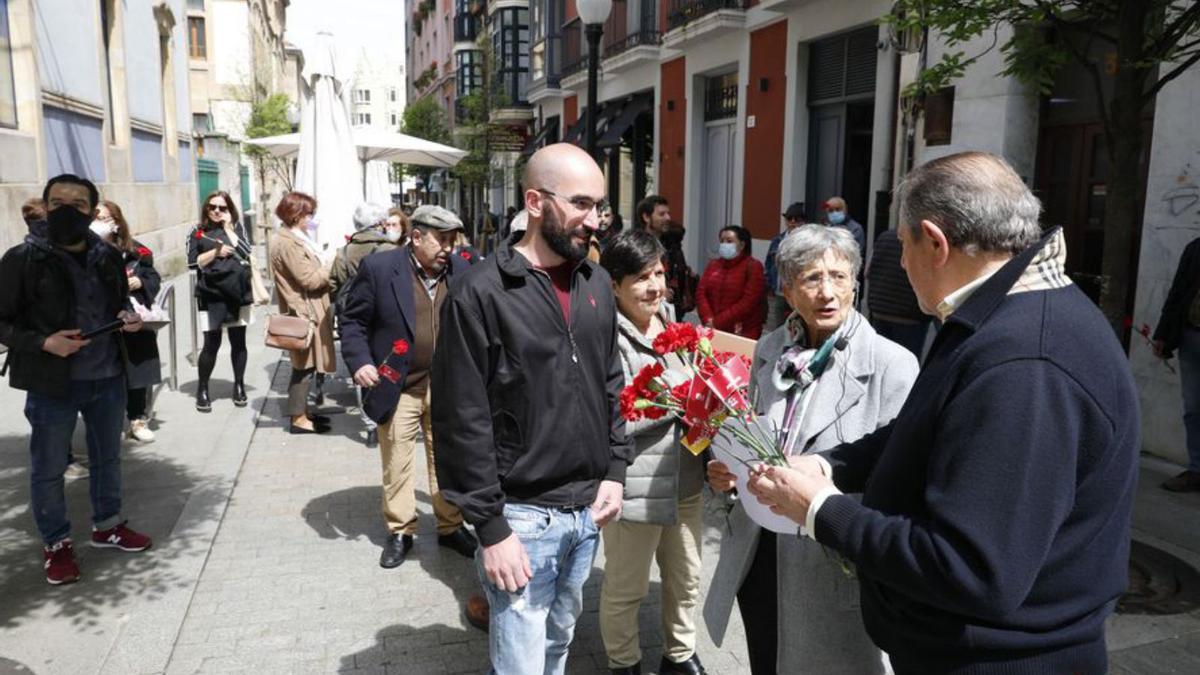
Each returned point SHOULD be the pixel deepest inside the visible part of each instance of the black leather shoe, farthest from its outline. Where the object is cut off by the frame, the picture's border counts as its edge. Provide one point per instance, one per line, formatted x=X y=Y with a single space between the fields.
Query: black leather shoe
x=461 y=541
x=319 y=419
x=395 y=550
x=690 y=667
x=372 y=438
x=300 y=431
x=239 y=395
x=635 y=669
x=203 y=402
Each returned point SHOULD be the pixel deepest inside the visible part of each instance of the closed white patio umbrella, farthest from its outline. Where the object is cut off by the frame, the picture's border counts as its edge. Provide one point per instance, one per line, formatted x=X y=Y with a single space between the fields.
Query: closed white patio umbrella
x=326 y=163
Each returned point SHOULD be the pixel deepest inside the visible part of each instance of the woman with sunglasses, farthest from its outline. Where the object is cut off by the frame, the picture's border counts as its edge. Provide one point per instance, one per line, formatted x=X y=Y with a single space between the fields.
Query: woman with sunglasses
x=144 y=370
x=221 y=255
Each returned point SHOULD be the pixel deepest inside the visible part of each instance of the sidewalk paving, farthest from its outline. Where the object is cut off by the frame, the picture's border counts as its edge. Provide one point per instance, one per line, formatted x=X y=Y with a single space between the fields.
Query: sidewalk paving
x=266 y=556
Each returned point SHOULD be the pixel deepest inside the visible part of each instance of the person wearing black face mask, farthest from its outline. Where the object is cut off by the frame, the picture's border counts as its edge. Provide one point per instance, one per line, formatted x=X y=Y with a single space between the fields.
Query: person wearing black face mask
x=57 y=289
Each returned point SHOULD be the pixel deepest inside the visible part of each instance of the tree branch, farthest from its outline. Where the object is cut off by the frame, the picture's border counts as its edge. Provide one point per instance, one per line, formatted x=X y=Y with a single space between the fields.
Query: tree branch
x=1183 y=24
x=1174 y=73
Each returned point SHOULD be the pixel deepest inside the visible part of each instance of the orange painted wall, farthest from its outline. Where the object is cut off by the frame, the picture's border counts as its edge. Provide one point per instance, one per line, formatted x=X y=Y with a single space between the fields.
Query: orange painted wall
x=763 y=188
x=672 y=133
x=570 y=112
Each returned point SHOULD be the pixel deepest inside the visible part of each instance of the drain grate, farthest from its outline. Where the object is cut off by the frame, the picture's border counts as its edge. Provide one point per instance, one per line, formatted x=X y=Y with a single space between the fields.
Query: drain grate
x=1159 y=583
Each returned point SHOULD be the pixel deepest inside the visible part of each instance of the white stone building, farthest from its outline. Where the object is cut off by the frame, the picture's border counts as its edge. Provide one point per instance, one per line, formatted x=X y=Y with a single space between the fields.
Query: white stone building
x=99 y=89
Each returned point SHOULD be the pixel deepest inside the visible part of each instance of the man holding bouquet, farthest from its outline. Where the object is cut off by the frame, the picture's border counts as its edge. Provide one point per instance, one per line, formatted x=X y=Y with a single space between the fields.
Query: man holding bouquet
x=993 y=533
x=389 y=330
x=531 y=444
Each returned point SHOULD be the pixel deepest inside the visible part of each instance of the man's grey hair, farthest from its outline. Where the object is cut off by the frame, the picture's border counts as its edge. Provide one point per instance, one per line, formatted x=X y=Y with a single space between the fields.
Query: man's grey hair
x=369 y=214
x=807 y=244
x=977 y=199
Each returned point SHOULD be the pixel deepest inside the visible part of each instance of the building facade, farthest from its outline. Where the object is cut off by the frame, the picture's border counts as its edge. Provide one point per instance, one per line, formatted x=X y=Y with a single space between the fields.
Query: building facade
x=733 y=109
x=99 y=89
x=236 y=56
x=379 y=94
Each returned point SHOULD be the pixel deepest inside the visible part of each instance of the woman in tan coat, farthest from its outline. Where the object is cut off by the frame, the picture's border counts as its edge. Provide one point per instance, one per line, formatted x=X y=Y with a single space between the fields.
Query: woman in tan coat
x=302 y=285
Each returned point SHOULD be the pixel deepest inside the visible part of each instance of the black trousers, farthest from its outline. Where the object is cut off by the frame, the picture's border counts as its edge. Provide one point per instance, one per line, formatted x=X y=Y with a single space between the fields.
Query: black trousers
x=757 y=604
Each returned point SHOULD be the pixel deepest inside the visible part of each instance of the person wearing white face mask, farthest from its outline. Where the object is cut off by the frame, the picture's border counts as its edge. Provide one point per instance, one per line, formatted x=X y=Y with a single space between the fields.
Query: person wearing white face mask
x=144 y=369
x=378 y=230
x=730 y=295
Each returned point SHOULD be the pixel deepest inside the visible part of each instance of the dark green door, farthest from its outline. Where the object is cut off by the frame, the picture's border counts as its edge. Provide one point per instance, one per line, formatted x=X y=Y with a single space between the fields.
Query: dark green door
x=207 y=178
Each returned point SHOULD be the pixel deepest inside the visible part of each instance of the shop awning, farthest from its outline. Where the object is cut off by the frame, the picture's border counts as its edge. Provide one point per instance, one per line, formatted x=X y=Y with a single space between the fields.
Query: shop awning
x=536 y=142
x=616 y=129
x=578 y=131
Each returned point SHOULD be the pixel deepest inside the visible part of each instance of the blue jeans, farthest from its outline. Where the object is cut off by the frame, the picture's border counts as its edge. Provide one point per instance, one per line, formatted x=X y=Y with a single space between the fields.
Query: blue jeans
x=1189 y=376
x=532 y=628
x=52 y=422
x=911 y=336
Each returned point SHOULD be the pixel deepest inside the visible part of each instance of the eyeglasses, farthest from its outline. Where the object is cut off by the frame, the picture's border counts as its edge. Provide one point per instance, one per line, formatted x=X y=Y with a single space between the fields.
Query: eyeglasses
x=839 y=280
x=584 y=204
x=219 y=208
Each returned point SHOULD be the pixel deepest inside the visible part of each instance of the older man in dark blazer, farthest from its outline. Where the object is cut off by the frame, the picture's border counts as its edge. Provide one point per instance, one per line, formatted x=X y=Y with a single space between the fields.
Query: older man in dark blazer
x=389 y=329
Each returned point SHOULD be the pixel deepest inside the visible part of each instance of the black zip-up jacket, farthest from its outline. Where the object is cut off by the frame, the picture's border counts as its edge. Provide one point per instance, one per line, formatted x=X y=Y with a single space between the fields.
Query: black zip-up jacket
x=38 y=300
x=525 y=408
x=1173 y=320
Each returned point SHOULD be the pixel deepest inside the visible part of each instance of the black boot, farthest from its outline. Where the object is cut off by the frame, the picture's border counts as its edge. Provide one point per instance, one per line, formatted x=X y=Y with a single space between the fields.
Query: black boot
x=203 y=402
x=635 y=669
x=239 y=394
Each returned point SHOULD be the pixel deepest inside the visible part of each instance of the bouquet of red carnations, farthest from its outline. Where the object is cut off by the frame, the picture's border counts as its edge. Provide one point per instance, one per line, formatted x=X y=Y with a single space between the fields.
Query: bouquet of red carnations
x=714 y=401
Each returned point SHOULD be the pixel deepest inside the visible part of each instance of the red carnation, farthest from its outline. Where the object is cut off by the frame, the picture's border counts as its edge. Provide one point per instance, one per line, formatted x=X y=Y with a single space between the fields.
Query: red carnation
x=680 y=392
x=629 y=408
x=642 y=381
x=466 y=255
x=143 y=252
x=199 y=234
x=678 y=337
x=1127 y=322
x=400 y=347
x=1145 y=330
x=389 y=374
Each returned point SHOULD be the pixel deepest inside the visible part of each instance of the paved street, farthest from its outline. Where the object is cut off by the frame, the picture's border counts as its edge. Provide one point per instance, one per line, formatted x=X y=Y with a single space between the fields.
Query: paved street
x=266 y=549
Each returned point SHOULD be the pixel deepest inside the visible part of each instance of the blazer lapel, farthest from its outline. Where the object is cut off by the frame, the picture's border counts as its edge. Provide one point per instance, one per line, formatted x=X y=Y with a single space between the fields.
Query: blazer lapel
x=402 y=287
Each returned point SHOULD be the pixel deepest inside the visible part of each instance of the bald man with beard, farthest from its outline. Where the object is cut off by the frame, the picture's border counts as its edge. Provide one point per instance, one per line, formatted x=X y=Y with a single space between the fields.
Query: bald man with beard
x=531 y=443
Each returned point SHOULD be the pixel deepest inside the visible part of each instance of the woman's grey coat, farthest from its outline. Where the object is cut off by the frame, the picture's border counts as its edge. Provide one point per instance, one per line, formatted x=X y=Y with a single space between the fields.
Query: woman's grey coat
x=663 y=471
x=820 y=630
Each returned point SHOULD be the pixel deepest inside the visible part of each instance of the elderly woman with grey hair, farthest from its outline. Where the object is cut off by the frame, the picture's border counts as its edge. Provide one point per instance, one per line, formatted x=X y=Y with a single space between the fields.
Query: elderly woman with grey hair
x=798 y=604
x=377 y=229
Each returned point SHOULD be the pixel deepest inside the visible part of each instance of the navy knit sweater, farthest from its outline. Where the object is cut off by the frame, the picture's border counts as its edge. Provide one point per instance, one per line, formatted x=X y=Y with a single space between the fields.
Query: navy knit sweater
x=993 y=532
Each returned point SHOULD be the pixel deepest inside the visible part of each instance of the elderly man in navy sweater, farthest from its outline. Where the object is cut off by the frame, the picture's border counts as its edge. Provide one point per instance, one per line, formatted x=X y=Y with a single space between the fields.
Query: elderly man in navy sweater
x=993 y=531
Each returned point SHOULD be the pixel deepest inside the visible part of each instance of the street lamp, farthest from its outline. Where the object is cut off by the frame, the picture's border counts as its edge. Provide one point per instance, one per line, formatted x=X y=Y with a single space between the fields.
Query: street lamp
x=593 y=13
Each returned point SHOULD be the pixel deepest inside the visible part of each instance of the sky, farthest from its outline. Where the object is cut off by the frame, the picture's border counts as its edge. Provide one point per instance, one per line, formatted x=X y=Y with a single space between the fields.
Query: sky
x=377 y=25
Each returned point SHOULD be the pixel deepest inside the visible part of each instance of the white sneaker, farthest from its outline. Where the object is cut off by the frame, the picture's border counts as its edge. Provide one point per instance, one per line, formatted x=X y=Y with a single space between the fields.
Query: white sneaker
x=139 y=431
x=75 y=471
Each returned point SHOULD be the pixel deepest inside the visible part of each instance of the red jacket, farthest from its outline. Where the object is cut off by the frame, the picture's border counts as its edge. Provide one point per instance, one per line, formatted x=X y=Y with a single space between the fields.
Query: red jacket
x=731 y=296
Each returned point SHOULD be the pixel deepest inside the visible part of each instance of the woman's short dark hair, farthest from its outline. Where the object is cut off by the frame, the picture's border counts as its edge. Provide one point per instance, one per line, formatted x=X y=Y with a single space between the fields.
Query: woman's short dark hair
x=741 y=233
x=630 y=252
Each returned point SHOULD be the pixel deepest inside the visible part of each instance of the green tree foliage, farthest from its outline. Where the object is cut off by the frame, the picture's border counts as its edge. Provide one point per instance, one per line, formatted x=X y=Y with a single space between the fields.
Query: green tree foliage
x=1154 y=41
x=424 y=118
x=268 y=117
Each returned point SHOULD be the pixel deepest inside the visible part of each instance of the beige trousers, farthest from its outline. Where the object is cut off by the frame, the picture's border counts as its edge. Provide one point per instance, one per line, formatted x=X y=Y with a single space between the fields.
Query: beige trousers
x=628 y=551
x=397 y=439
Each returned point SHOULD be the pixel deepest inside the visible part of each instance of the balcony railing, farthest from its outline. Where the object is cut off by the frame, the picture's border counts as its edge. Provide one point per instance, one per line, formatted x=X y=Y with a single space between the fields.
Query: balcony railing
x=646 y=38
x=684 y=12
